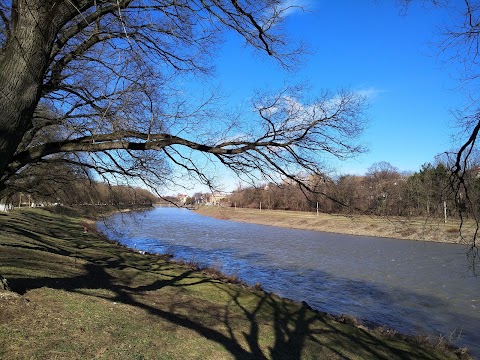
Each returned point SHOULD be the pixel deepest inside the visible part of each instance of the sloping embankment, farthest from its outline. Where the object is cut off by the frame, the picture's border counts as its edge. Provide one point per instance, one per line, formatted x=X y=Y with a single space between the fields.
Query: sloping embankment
x=80 y=296
x=389 y=227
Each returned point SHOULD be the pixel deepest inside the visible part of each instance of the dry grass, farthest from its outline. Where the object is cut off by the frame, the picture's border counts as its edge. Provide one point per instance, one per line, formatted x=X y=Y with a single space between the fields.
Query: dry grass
x=389 y=227
x=81 y=297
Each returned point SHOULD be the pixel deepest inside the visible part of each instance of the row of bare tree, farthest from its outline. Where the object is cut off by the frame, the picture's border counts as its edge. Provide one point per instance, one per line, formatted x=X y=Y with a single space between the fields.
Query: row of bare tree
x=382 y=191
x=59 y=184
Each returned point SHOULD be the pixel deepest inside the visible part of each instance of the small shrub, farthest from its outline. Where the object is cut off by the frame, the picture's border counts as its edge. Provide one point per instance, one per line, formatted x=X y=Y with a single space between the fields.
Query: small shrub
x=213 y=272
x=407 y=232
x=257 y=287
x=452 y=230
x=192 y=264
x=385 y=331
x=349 y=320
x=234 y=279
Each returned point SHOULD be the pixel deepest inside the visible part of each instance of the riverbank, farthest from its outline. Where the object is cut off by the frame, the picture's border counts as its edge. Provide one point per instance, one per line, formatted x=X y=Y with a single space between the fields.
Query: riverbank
x=388 y=227
x=78 y=295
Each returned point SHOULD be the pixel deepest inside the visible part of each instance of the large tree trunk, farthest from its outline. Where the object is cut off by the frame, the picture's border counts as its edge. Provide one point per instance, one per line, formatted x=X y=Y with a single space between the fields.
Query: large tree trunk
x=23 y=62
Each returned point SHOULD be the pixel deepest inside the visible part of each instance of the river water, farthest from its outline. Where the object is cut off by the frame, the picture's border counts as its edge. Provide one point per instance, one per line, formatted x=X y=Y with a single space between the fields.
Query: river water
x=415 y=287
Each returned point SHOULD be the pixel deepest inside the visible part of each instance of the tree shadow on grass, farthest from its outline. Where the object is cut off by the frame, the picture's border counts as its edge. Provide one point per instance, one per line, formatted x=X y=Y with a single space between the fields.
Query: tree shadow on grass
x=238 y=325
x=293 y=324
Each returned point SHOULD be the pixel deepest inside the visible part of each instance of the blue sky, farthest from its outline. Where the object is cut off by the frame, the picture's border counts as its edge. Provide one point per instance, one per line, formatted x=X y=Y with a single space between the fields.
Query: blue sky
x=366 y=46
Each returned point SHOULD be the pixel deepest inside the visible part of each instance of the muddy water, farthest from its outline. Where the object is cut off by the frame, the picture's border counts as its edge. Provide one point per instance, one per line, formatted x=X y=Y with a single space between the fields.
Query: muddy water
x=415 y=287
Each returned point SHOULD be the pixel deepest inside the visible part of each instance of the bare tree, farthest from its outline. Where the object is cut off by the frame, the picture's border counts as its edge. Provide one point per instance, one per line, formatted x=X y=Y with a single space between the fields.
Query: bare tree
x=459 y=45
x=461 y=42
x=106 y=79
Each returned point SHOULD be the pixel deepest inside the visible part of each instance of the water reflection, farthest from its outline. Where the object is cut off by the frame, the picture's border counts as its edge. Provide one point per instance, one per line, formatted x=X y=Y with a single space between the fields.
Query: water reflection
x=415 y=287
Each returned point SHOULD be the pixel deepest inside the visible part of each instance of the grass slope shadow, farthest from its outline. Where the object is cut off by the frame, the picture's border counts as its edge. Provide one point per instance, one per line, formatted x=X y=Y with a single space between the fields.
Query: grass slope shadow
x=42 y=252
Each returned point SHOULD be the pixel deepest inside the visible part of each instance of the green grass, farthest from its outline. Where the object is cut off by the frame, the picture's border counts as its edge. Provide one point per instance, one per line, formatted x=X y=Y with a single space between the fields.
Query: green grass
x=82 y=297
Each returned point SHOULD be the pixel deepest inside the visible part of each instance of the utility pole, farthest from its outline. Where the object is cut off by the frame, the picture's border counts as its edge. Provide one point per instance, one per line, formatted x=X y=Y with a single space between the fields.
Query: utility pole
x=445 y=212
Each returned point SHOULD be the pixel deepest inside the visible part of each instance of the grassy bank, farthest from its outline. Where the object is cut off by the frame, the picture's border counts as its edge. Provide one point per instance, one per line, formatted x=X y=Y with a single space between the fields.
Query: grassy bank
x=391 y=227
x=78 y=296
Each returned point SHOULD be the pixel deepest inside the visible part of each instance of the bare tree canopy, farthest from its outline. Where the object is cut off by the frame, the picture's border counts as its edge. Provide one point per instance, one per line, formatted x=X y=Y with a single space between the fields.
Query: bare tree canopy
x=105 y=85
x=458 y=45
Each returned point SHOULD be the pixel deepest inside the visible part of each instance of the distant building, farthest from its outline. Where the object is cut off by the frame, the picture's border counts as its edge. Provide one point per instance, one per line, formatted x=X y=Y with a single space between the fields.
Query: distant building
x=217 y=197
x=182 y=198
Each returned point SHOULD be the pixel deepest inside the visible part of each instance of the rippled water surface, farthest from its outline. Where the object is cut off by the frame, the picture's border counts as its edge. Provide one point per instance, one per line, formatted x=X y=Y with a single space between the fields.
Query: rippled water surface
x=415 y=287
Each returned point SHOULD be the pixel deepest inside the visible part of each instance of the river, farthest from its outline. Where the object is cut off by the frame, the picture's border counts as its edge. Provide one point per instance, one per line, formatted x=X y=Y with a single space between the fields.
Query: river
x=414 y=287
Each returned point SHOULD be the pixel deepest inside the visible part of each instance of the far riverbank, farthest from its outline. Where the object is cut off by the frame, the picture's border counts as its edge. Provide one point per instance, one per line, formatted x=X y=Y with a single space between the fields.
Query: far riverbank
x=389 y=227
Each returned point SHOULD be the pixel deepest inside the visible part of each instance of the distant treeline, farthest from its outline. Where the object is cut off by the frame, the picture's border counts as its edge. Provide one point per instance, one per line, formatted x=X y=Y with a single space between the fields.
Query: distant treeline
x=382 y=191
x=50 y=185
x=82 y=193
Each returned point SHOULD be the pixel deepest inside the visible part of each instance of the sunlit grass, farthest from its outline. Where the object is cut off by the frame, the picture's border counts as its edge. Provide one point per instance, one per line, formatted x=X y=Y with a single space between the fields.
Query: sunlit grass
x=82 y=297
